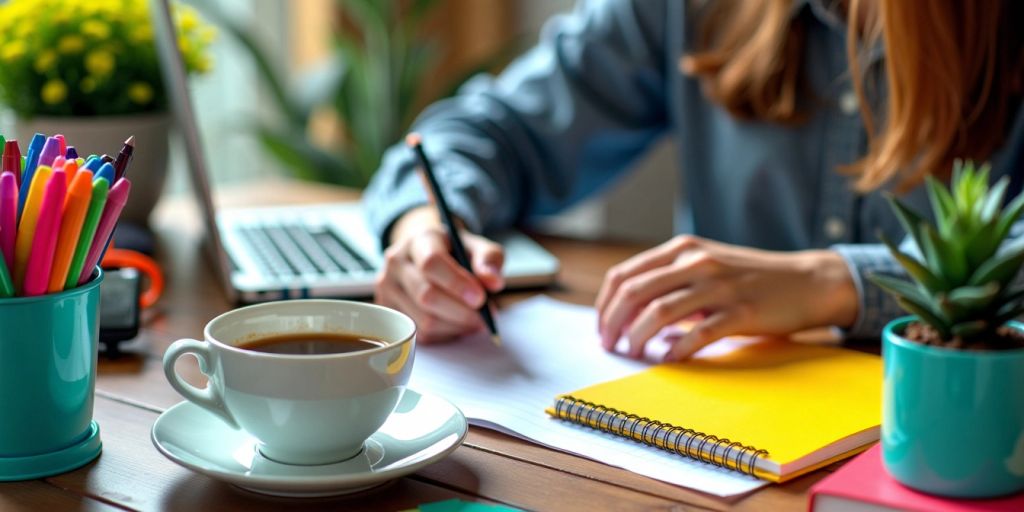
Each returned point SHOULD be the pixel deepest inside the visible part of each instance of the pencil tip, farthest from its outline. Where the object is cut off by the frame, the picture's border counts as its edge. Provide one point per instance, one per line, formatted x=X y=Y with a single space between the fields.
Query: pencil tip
x=130 y=141
x=496 y=340
x=413 y=139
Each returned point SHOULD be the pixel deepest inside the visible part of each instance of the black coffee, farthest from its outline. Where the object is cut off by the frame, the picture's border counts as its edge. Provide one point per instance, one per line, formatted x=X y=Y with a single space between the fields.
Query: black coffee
x=313 y=343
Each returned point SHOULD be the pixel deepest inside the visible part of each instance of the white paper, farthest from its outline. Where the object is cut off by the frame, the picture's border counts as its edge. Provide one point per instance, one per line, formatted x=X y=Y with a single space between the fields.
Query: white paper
x=549 y=348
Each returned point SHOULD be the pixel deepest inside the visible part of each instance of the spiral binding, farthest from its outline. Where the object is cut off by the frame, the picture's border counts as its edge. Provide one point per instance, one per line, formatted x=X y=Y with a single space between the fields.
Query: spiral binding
x=687 y=442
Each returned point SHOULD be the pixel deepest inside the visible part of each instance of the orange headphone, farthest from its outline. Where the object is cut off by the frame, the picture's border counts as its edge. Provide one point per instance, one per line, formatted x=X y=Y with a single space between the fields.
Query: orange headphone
x=120 y=258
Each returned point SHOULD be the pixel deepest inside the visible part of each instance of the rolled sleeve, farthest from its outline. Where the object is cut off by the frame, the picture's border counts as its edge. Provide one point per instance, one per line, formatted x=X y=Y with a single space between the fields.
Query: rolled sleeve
x=876 y=307
x=560 y=123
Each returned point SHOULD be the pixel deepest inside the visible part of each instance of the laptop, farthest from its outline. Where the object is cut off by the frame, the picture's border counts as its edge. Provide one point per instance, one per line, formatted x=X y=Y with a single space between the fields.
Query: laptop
x=301 y=251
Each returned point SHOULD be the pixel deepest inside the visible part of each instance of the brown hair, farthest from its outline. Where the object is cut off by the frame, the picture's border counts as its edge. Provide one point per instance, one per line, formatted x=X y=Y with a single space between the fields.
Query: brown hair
x=954 y=72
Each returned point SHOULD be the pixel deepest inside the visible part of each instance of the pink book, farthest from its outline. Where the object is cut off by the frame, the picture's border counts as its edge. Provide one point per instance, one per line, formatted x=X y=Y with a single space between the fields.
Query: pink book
x=863 y=485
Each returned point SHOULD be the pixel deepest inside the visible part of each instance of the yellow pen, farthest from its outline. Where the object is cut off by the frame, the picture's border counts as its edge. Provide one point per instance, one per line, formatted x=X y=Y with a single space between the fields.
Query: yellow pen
x=27 y=224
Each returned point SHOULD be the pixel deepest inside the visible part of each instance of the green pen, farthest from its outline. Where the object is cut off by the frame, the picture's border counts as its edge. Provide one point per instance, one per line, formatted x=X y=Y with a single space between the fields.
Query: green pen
x=6 y=285
x=100 y=188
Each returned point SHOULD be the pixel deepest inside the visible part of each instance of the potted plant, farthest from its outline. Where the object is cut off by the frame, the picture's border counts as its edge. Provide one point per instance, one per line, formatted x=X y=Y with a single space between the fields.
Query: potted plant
x=89 y=70
x=953 y=403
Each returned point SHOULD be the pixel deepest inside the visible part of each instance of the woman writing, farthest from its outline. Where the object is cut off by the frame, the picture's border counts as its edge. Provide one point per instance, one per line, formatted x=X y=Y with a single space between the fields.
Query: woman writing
x=791 y=117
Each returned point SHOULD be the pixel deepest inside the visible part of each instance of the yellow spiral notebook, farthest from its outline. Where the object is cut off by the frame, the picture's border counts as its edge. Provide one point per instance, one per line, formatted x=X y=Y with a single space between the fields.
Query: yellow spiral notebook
x=773 y=409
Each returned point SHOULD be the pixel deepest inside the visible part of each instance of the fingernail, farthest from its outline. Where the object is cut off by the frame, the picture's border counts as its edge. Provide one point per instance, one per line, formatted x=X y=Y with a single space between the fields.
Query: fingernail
x=472 y=297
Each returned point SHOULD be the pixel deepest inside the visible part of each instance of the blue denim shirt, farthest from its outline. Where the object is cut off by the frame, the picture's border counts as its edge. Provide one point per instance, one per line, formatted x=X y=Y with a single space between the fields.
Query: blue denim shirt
x=604 y=84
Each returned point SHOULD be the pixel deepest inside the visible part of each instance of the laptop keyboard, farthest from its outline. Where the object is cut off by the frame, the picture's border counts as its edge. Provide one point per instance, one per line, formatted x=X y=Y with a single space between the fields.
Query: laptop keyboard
x=288 y=250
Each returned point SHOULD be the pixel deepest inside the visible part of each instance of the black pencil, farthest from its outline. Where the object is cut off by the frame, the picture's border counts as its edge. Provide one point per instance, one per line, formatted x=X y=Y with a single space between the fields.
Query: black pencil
x=414 y=141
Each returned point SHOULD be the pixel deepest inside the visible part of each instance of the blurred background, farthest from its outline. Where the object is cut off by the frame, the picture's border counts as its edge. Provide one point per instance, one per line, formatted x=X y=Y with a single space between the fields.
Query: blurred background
x=312 y=89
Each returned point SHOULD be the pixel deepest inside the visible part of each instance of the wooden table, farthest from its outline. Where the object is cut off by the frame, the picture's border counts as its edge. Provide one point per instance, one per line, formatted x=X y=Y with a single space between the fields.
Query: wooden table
x=490 y=467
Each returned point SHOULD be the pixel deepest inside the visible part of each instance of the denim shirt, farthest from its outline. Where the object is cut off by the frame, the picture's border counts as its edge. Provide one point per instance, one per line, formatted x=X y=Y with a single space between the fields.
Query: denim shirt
x=566 y=119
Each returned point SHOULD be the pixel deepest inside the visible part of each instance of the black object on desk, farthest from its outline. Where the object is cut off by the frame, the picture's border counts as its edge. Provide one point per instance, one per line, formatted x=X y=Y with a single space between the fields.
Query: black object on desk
x=119 y=308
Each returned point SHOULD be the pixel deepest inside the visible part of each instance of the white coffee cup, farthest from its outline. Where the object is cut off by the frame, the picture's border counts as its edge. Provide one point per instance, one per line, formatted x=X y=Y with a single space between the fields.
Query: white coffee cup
x=303 y=409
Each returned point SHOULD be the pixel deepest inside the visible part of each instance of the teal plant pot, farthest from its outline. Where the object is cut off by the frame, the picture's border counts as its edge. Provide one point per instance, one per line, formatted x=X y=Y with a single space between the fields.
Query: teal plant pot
x=48 y=349
x=952 y=420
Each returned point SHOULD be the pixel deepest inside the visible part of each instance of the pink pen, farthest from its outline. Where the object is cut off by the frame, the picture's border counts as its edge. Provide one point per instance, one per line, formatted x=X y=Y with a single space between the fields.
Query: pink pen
x=63 y=144
x=115 y=203
x=8 y=216
x=44 y=243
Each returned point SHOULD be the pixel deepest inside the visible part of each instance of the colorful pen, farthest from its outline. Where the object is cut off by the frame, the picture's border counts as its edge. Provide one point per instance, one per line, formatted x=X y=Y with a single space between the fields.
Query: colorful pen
x=105 y=171
x=115 y=203
x=29 y=170
x=415 y=142
x=125 y=154
x=27 y=223
x=71 y=153
x=63 y=144
x=6 y=285
x=76 y=205
x=58 y=163
x=100 y=190
x=8 y=216
x=44 y=243
x=71 y=170
x=50 y=152
x=93 y=163
x=107 y=159
x=12 y=159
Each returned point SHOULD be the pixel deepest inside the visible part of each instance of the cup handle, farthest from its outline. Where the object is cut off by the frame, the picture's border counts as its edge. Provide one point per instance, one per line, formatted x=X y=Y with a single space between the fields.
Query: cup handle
x=207 y=398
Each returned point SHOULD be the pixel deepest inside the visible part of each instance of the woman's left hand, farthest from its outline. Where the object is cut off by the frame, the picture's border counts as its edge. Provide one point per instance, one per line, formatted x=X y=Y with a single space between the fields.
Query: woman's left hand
x=739 y=291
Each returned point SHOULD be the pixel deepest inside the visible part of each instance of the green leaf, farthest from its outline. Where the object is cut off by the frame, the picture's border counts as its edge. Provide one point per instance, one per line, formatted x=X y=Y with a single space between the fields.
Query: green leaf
x=925 y=315
x=974 y=297
x=1009 y=217
x=969 y=302
x=942 y=204
x=946 y=260
x=910 y=219
x=899 y=287
x=971 y=329
x=994 y=200
x=999 y=269
x=1008 y=312
x=916 y=269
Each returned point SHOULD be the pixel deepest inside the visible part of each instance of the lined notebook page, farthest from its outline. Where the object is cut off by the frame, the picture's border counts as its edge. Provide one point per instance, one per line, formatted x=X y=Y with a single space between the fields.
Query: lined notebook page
x=549 y=347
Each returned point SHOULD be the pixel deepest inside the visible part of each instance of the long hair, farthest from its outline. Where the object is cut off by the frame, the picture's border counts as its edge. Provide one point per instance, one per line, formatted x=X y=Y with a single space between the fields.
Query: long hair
x=954 y=72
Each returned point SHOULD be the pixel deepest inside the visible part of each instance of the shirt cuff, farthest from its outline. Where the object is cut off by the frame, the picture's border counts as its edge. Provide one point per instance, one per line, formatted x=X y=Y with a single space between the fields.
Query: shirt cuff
x=876 y=306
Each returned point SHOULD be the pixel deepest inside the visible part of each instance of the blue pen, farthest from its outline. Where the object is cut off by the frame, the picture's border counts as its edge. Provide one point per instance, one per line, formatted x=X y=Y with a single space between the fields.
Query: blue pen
x=71 y=153
x=106 y=171
x=93 y=164
x=31 y=162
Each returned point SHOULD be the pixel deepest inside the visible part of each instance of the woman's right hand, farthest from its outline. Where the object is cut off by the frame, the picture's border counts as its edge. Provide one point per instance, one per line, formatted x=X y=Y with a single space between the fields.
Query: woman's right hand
x=421 y=278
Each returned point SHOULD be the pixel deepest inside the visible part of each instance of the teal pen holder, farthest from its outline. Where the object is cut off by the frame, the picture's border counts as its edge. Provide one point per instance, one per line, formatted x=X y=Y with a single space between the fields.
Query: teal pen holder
x=48 y=350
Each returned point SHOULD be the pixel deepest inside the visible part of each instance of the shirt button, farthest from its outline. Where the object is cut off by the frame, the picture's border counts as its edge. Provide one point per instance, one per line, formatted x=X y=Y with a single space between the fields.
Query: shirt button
x=848 y=103
x=835 y=228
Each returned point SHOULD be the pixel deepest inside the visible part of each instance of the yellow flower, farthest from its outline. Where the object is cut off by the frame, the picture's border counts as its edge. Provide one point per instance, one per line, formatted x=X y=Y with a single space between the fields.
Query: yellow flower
x=141 y=34
x=13 y=50
x=187 y=20
x=54 y=91
x=96 y=28
x=71 y=44
x=140 y=92
x=99 y=62
x=45 y=61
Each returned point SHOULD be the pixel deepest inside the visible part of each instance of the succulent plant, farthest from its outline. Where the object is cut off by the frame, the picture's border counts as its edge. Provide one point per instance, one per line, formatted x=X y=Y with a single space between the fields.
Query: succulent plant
x=961 y=284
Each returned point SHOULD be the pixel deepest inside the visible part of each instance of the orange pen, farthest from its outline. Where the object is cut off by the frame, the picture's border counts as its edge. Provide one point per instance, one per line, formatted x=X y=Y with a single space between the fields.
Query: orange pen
x=70 y=170
x=72 y=217
x=27 y=223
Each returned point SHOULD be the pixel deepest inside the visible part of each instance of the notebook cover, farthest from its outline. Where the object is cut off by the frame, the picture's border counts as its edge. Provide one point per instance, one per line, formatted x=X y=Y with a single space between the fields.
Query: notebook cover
x=787 y=398
x=864 y=479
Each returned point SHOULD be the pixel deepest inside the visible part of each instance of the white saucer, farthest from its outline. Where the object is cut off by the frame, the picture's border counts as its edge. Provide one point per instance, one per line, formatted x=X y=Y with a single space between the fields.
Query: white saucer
x=422 y=430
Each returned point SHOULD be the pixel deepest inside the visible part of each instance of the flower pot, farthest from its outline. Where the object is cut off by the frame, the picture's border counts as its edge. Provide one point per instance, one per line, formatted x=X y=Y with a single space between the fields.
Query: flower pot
x=952 y=420
x=106 y=134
